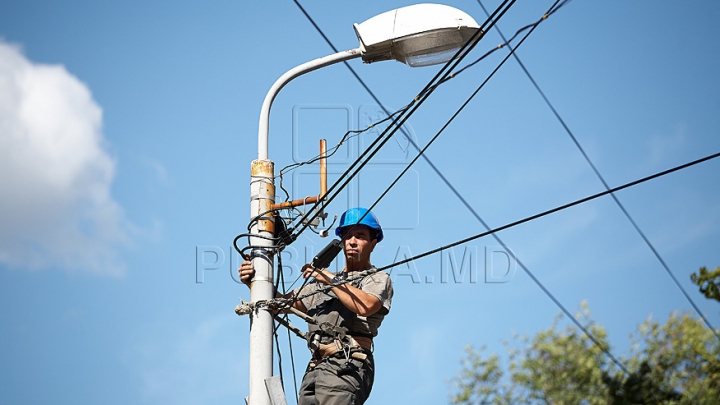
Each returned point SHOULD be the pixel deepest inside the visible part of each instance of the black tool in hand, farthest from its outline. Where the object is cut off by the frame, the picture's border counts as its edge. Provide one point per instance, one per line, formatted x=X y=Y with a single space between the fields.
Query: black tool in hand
x=327 y=255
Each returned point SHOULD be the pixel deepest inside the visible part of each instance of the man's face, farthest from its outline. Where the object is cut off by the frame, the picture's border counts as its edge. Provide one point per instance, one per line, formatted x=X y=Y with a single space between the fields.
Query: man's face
x=358 y=245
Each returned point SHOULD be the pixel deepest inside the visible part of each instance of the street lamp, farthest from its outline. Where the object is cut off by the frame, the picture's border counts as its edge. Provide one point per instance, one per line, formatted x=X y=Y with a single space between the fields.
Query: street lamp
x=418 y=35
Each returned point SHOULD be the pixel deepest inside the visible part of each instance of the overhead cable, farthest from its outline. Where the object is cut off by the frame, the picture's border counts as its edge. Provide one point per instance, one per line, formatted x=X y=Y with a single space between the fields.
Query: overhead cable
x=560 y=208
x=383 y=107
x=602 y=179
x=363 y=159
x=587 y=332
x=452 y=118
x=284 y=302
x=395 y=126
x=532 y=276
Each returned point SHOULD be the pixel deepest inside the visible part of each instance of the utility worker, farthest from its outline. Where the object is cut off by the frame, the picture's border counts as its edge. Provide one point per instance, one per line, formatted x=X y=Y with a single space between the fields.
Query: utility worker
x=348 y=316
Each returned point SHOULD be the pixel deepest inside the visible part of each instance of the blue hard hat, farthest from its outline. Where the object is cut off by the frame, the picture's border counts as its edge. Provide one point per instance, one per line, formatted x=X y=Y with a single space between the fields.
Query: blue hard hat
x=351 y=217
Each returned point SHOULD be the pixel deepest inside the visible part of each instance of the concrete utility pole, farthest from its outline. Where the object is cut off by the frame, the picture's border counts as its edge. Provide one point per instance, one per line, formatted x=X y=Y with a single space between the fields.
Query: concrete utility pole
x=262 y=195
x=419 y=35
x=262 y=199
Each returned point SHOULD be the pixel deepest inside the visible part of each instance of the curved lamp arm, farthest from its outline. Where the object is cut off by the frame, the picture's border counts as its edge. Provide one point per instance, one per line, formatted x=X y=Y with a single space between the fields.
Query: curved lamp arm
x=264 y=125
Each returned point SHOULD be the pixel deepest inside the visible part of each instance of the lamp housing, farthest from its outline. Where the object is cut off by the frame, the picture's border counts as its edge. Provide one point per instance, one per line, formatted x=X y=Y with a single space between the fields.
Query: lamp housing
x=417 y=35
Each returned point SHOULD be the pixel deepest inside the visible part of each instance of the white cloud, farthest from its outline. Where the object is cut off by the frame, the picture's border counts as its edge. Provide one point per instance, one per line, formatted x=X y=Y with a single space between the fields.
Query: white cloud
x=55 y=204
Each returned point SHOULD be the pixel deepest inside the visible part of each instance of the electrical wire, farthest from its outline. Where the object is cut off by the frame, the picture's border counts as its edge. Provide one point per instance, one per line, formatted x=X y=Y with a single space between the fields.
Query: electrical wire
x=421 y=153
x=279 y=354
x=528 y=219
x=560 y=208
x=513 y=224
x=395 y=126
x=601 y=178
x=471 y=43
x=281 y=282
x=462 y=52
x=292 y=360
x=344 y=138
x=430 y=87
x=452 y=118
x=608 y=191
x=531 y=27
x=422 y=96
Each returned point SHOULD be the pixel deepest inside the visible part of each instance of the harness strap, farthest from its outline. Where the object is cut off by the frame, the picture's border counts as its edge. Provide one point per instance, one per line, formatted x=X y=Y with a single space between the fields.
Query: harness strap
x=323 y=351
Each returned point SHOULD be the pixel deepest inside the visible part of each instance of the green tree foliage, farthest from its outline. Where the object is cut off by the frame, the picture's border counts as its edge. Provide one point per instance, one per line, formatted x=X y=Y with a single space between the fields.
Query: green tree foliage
x=677 y=362
x=708 y=282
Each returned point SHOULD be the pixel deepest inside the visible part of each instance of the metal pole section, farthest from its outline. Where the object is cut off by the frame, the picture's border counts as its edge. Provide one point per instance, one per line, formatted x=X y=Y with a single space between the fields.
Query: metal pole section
x=262 y=196
x=285 y=79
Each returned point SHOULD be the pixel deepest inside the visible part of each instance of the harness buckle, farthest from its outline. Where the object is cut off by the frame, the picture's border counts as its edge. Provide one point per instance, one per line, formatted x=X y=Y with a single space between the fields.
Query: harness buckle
x=347 y=367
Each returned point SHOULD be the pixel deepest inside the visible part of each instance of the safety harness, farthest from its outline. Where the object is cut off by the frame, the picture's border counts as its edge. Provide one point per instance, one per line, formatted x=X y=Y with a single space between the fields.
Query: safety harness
x=336 y=332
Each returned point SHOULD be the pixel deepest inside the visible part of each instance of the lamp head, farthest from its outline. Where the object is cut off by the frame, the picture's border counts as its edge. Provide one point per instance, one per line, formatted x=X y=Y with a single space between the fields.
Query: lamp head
x=417 y=35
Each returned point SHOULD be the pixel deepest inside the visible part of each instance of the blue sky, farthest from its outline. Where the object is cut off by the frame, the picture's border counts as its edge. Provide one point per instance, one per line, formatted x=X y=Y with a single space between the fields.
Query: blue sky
x=127 y=132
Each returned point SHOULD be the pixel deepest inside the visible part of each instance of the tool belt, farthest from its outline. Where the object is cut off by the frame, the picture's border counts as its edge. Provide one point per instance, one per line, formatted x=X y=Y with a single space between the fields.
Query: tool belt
x=351 y=346
x=325 y=350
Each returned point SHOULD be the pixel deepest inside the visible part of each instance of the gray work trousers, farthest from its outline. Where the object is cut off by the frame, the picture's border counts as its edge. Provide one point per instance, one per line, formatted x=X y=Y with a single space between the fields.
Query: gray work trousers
x=323 y=386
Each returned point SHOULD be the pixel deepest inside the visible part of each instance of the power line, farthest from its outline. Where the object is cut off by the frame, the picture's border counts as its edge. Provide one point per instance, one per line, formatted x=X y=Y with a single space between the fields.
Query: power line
x=602 y=179
x=417 y=102
x=405 y=115
x=462 y=199
x=554 y=8
x=280 y=302
x=422 y=96
x=400 y=120
x=608 y=191
x=329 y=153
x=421 y=153
x=385 y=109
x=560 y=208
x=452 y=118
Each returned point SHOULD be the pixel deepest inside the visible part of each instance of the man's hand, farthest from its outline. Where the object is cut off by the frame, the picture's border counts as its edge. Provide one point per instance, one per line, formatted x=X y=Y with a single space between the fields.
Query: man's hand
x=351 y=297
x=246 y=272
x=321 y=275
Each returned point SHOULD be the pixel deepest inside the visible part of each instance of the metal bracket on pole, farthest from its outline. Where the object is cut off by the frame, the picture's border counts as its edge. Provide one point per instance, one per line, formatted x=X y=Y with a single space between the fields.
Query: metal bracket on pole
x=323 y=184
x=275 y=390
